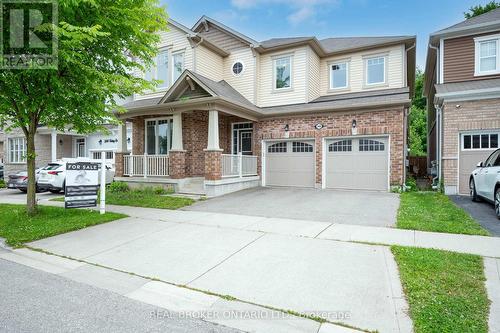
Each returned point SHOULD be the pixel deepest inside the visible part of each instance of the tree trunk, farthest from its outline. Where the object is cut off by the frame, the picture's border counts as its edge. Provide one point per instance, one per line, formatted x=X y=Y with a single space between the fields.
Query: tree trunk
x=31 y=208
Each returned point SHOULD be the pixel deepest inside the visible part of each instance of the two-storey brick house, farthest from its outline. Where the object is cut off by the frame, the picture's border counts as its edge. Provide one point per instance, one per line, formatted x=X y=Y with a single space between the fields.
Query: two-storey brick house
x=233 y=112
x=462 y=86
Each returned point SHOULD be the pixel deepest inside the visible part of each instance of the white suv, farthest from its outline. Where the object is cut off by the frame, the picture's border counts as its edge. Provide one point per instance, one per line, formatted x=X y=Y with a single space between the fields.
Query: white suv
x=484 y=181
x=53 y=177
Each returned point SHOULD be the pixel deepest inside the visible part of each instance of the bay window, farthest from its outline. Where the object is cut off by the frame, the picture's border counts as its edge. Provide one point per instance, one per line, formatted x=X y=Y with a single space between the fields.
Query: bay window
x=487 y=60
x=17 y=150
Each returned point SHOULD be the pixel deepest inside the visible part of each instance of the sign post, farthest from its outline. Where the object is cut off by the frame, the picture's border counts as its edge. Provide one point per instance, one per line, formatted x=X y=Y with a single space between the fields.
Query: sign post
x=102 y=207
x=81 y=184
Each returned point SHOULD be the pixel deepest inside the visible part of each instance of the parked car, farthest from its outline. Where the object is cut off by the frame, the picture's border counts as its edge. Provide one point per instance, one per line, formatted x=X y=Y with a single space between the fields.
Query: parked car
x=484 y=181
x=19 y=181
x=53 y=176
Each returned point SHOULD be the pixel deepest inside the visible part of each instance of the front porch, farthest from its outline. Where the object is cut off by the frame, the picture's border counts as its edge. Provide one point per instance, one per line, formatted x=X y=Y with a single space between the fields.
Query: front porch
x=206 y=152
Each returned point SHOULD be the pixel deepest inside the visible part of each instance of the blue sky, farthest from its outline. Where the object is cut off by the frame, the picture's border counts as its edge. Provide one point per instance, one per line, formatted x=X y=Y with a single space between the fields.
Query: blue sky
x=264 y=19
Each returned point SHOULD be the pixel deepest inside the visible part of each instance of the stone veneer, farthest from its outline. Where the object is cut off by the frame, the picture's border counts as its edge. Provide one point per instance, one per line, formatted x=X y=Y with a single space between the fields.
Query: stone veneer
x=469 y=116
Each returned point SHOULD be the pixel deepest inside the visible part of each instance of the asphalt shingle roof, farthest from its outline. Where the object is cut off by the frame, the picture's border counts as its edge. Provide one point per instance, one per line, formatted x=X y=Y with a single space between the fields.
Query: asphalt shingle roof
x=490 y=16
x=467 y=86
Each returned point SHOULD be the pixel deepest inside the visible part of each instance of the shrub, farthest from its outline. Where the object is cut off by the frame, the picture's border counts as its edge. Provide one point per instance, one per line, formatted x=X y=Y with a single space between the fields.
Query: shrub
x=411 y=184
x=118 y=187
x=2 y=183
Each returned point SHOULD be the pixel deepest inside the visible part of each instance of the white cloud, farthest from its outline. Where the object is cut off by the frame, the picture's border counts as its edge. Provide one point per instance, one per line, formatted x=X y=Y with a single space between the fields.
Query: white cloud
x=301 y=10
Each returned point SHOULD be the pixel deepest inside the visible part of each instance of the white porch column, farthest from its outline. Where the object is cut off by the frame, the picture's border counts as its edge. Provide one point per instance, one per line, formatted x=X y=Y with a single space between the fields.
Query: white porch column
x=177 y=132
x=213 y=130
x=122 y=138
x=53 y=145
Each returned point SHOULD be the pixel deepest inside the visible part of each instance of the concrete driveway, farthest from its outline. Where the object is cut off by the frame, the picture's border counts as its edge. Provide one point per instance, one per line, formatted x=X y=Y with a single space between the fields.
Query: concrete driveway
x=355 y=284
x=346 y=207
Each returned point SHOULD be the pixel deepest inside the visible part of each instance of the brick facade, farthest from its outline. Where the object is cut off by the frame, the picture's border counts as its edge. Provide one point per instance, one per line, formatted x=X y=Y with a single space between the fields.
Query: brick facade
x=336 y=124
x=177 y=164
x=119 y=166
x=468 y=116
x=199 y=163
x=213 y=160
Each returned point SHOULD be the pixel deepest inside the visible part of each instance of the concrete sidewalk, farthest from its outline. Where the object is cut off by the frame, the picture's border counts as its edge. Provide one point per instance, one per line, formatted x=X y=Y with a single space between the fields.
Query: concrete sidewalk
x=355 y=284
x=479 y=245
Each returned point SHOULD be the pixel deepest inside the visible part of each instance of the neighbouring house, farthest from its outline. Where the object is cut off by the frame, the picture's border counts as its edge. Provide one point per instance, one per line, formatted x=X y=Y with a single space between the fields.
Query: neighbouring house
x=233 y=112
x=53 y=145
x=462 y=86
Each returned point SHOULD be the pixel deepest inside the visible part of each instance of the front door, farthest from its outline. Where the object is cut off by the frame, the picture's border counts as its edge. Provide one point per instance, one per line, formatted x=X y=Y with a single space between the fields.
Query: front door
x=245 y=142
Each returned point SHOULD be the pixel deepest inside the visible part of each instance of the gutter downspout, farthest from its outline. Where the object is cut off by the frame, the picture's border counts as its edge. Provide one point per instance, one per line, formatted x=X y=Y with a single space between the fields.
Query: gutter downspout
x=439 y=146
x=406 y=61
x=194 y=48
x=405 y=144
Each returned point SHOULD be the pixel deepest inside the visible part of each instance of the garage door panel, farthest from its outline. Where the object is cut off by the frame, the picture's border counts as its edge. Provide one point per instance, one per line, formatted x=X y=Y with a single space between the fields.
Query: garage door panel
x=291 y=168
x=355 y=169
x=467 y=163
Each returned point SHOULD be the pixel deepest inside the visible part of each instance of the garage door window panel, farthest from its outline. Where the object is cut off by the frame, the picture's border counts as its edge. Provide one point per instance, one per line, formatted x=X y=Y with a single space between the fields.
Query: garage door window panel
x=279 y=147
x=340 y=146
x=301 y=147
x=371 y=145
x=480 y=141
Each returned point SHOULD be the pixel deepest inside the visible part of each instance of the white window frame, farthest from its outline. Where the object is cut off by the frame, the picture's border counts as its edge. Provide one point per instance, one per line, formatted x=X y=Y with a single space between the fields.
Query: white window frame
x=84 y=146
x=236 y=140
x=275 y=59
x=172 y=69
x=330 y=73
x=477 y=55
x=242 y=69
x=365 y=62
x=20 y=155
x=471 y=134
x=157 y=145
x=154 y=69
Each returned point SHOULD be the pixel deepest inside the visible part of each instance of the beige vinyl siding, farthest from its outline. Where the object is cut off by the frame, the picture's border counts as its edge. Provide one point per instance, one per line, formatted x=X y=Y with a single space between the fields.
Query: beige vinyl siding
x=298 y=94
x=176 y=41
x=314 y=75
x=243 y=83
x=394 y=70
x=209 y=63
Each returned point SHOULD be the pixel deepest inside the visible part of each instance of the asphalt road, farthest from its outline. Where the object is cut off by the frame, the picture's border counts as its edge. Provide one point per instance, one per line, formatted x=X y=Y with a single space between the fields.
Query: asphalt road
x=35 y=301
x=482 y=212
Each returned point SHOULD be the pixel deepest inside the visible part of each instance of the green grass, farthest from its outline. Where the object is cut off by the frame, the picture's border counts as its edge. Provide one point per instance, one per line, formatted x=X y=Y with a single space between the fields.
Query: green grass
x=141 y=198
x=18 y=228
x=431 y=211
x=445 y=290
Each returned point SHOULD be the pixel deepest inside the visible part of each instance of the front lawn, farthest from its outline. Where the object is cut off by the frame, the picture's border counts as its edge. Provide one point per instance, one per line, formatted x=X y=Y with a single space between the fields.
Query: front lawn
x=149 y=199
x=121 y=195
x=18 y=228
x=445 y=290
x=431 y=211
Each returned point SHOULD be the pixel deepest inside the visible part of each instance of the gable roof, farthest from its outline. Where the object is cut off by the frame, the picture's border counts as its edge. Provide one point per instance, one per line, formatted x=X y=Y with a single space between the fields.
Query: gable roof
x=488 y=18
x=204 y=19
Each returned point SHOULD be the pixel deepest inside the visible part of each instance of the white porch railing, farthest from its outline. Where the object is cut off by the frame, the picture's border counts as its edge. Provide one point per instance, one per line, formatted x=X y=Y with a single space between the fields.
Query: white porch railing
x=238 y=165
x=145 y=165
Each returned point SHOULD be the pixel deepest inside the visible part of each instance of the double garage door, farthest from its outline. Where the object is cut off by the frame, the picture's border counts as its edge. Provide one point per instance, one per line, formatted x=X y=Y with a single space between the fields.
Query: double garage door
x=350 y=163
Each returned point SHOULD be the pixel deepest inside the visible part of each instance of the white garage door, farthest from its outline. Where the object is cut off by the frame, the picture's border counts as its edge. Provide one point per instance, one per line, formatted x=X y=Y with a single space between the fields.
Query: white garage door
x=474 y=148
x=357 y=163
x=290 y=163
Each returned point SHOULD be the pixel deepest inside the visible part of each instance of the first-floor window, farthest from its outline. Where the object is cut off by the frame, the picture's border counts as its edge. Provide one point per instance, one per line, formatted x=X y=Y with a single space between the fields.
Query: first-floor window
x=17 y=150
x=96 y=155
x=80 y=147
x=158 y=136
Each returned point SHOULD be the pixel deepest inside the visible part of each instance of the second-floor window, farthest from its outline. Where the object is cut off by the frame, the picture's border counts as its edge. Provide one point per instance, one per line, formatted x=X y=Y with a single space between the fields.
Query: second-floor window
x=339 y=75
x=375 y=70
x=282 y=73
x=160 y=70
x=487 y=59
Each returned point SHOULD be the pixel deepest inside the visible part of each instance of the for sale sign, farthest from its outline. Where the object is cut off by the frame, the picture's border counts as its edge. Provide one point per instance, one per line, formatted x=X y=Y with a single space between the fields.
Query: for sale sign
x=82 y=181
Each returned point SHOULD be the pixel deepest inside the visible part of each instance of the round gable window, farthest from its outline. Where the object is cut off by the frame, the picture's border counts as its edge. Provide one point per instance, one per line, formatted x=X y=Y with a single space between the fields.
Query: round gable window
x=237 y=68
